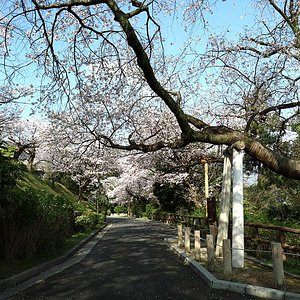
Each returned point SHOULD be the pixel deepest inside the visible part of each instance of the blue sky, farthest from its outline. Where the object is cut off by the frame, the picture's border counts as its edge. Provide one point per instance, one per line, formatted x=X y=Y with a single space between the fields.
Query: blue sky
x=228 y=17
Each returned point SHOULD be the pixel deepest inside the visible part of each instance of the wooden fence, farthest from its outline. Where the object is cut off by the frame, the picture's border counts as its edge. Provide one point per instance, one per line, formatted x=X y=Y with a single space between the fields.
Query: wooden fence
x=257 y=236
x=260 y=237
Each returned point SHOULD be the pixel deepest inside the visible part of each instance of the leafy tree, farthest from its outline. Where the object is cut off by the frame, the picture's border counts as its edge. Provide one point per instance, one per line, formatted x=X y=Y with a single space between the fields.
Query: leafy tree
x=273 y=199
x=173 y=197
x=9 y=173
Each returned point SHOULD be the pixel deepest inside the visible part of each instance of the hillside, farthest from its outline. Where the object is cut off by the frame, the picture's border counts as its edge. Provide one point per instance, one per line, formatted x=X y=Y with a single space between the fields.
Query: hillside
x=36 y=182
x=38 y=222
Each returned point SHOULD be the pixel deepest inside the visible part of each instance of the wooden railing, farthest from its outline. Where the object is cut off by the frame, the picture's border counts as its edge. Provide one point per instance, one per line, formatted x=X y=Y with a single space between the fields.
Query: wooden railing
x=257 y=236
x=262 y=235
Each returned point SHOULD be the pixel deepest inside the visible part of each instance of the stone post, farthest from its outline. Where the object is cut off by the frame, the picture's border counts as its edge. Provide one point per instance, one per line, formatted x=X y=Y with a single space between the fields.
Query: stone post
x=278 y=271
x=210 y=252
x=197 y=245
x=227 y=271
x=187 y=244
x=180 y=240
x=225 y=206
x=237 y=210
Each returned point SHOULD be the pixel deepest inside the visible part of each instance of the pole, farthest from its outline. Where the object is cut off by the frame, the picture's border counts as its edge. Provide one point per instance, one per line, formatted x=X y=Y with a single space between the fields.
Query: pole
x=206 y=186
x=237 y=210
x=225 y=205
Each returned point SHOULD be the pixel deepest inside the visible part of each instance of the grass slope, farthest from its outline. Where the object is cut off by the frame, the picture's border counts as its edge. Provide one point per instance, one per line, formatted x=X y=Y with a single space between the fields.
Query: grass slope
x=36 y=182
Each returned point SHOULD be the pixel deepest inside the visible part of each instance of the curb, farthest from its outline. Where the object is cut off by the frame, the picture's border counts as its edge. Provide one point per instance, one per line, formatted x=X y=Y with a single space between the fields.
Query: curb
x=246 y=289
x=32 y=272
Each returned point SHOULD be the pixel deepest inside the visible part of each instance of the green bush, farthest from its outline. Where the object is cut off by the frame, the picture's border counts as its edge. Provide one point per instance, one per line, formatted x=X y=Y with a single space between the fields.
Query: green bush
x=197 y=212
x=138 y=207
x=173 y=197
x=31 y=221
x=10 y=171
x=87 y=220
x=120 y=209
x=151 y=210
x=101 y=218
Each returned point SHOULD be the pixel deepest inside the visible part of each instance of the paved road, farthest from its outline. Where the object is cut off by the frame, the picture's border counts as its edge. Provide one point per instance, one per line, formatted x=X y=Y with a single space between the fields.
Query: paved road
x=130 y=262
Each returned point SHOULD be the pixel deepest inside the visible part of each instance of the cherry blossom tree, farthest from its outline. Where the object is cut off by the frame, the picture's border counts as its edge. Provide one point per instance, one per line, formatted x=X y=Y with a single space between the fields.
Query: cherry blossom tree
x=134 y=182
x=63 y=152
x=22 y=135
x=140 y=175
x=110 y=54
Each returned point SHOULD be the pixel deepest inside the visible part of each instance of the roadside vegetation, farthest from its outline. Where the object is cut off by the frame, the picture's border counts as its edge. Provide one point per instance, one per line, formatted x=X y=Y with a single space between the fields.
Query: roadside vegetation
x=37 y=221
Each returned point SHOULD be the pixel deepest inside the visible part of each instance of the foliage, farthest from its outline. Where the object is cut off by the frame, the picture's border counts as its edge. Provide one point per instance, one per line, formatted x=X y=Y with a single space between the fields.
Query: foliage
x=173 y=197
x=120 y=209
x=137 y=207
x=88 y=220
x=66 y=180
x=151 y=210
x=198 y=212
x=32 y=221
x=274 y=199
x=7 y=150
x=33 y=216
x=9 y=172
x=10 y=268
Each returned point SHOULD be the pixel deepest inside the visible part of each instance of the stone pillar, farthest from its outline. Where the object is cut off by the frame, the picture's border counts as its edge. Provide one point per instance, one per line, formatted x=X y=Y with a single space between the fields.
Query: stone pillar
x=206 y=186
x=225 y=206
x=237 y=210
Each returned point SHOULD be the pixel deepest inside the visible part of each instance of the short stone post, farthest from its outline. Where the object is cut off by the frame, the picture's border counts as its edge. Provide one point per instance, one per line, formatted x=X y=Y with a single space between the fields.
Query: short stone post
x=179 y=230
x=278 y=272
x=210 y=252
x=227 y=271
x=187 y=244
x=197 y=245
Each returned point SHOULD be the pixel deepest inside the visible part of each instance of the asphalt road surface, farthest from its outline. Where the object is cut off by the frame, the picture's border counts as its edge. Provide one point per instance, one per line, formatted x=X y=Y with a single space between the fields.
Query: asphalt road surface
x=131 y=261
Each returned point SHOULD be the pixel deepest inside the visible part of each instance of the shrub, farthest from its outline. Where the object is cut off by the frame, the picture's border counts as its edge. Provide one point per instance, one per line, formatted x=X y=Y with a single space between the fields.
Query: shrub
x=101 y=218
x=138 y=207
x=10 y=171
x=87 y=220
x=31 y=221
x=120 y=209
x=197 y=212
x=151 y=211
x=173 y=197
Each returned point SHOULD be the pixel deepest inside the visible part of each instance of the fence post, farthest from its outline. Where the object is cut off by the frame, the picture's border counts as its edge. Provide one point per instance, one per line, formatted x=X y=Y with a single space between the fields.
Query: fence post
x=179 y=230
x=210 y=252
x=278 y=272
x=187 y=244
x=197 y=245
x=213 y=231
x=227 y=259
x=280 y=236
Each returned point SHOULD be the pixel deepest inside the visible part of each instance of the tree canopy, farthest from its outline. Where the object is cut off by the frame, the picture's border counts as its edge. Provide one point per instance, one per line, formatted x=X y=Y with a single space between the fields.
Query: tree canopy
x=107 y=62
